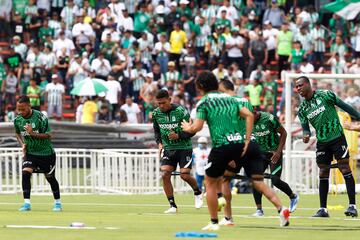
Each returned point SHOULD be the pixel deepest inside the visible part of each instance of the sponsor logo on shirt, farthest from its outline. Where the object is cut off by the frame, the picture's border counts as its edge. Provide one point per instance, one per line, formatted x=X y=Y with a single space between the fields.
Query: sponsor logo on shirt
x=234 y=137
x=316 y=112
x=169 y=125
x=263 y=133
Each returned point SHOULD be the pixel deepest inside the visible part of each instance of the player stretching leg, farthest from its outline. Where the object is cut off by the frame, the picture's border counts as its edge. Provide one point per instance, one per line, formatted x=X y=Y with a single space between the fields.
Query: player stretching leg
x=266 y=132
x=176 y=144
x=34 y=134
x=318 y=108
x=221 y=112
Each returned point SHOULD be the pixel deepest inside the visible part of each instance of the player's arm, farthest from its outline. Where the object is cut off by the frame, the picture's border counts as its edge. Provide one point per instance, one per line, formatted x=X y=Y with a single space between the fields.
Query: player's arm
x=348 y=108
x=192 y=127
x=249 y=119
x=44 y=130
x=305 y=127
x=183 y=134
x=19 y=137
x=277 y=154
x=352 y=126
x=157 y=132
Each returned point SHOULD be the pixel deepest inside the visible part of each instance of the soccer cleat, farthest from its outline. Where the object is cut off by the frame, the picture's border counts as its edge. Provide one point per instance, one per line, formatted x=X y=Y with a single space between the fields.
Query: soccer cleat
x=221 y=203
x=171 y=210
x=57 y=207
x=211 y=227
x=351 y=211
x=322 y=213
x=284 y=217
x=258 y=213
x=225 y=222
x=198 y=201
x=26 y=207
x=293 y=203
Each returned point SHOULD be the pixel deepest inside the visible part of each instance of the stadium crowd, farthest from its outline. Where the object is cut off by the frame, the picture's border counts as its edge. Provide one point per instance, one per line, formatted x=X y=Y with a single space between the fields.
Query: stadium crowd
x=138 y=47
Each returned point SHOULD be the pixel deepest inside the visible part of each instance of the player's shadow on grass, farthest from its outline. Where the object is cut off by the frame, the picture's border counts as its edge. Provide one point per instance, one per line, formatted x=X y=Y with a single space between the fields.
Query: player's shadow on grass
x=333 y=228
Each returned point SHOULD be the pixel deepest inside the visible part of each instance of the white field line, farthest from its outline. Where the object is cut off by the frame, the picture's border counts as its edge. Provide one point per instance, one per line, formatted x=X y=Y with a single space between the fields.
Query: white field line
x=57 y=227
x=141 y=205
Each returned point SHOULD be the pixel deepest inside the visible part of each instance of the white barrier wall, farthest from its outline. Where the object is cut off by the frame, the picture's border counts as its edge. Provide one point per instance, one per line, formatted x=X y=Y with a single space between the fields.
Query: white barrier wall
x=130 y=171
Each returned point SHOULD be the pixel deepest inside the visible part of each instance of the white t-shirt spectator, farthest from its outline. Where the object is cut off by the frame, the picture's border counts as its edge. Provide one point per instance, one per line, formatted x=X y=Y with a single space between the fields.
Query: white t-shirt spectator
x=131 y=112
x=159 y=47
x=270 y=35
x=235 y=52
x=115 y=36
x=55 y=93
x=59 y=44
x=114 y=88
x=126 y=23
x=102 y=67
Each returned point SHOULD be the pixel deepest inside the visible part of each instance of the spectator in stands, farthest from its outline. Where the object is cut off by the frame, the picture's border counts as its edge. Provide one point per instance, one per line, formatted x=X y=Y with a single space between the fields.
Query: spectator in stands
x=274 y=14
x=132 y=110
x=234 y=45
x=137 y=78
x=141 y=20
x=270 y=35
x=337 y=23
x=89 y=111
x=33 y=91
x=305 y=39
x=83 y=32
x=26 y=74
x=296 y=56
x=283 y=45
x=254 y=91
x=258 y=74
x=234 y=74
x=113 y=95
x=353 y=98
x=101 y=66
x=258 y=53
x=54 y=98
x=63 y=43
x=149 y=87
x=339 y=47
x=103 y=116
x=19 y=47
x=162 y=49
x=177 y=41
x=318 y=40
x=9 y=88
x=171 y=77
x=269 y=93
x=338 y=65
x=68 y=13
x=220 y=72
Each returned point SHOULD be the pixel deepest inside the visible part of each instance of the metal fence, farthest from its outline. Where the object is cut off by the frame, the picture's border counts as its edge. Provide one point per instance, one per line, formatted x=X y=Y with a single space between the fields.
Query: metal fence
x=128 y=171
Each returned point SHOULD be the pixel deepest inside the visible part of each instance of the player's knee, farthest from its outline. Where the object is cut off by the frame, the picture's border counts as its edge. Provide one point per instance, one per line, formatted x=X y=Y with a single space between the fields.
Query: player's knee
x=26 y=174
x=344 y=166
x=185 y=176
x=165 y=175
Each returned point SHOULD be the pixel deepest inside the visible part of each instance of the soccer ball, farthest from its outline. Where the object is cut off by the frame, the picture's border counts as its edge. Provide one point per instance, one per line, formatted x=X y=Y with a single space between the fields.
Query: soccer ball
x=221 y=203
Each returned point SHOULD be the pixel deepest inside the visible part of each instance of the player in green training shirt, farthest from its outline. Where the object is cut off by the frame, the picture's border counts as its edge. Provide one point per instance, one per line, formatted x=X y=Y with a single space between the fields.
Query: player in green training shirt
x=221 y=112
x=318 y=108
x=271 y=137
x=34 y=134
x=226 y=86
x=176 y=144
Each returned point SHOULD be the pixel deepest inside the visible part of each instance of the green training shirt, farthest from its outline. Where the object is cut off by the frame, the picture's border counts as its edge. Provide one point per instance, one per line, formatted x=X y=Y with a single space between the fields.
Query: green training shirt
x=244 y=103
x=165 y=122
x=321 y=113
x=265 y=131
x=39 y=123
x=221 y=112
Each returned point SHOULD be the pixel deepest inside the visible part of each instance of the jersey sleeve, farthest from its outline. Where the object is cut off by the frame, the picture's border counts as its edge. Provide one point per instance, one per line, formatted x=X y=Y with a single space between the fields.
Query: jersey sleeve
x=16 y=126
x=304 y=123
x=44 y=125
x=201 y=112
x=331 y=98
x=156 y=130
x=274 y=121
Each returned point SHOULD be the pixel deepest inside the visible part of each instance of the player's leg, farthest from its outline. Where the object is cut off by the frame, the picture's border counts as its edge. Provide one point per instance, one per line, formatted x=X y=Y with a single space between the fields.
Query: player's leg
x=50 y=177
x=341 y=152
x=27 y=170
x=225 y=183
x=167 y=166
x=323 y=159
x=257 y=195
x=253 y=165
x=185 y=162
x=276 y=170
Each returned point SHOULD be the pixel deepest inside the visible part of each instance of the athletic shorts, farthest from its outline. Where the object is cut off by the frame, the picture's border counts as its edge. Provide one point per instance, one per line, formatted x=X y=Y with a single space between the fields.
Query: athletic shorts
x=175 y=157
x=337 y=148
x=275 y=169
x=40 y=164
x=220 y=157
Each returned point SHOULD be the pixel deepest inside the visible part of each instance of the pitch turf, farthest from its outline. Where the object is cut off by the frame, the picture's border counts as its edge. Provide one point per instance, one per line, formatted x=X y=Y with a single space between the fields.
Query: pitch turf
x=141 y=217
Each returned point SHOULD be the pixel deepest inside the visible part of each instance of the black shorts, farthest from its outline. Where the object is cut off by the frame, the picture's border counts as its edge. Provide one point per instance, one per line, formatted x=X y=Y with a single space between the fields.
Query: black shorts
x=275 y=169
x=220 y=157
x=338 y=148
x=40 y=164
x=174 y=157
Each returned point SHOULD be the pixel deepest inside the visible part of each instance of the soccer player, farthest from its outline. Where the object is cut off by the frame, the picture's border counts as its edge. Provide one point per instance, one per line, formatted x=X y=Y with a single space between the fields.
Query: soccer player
x=176 y=144
x=352 y=126
x=34 y=134
x=267 y=129
x=221 y=112
x=318 y=108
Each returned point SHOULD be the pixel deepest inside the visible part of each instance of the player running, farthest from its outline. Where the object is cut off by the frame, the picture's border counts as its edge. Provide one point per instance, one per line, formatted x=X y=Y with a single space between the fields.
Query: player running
x=221 y=112
x=34 y=134
x=318 y=108
x=177 y=146
x=267 y=129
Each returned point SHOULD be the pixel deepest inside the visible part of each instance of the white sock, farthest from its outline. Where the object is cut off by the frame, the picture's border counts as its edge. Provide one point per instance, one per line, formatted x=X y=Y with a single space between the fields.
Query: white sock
x=57 y=201
x=325 y=209
x=27 y=201
x=352 y=205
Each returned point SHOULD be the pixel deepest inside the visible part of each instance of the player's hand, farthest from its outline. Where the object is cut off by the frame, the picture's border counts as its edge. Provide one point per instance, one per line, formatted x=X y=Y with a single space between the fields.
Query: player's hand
x=306 y=138
x=28 y=128
x=186 y=126
x=275 y=157
x=232 y=164
x=173 y=136
x=246 y=145
x=347 y=126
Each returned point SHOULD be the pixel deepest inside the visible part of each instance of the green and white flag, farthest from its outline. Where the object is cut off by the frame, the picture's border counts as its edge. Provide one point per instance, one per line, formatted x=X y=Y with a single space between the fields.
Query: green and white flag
x=347 y=9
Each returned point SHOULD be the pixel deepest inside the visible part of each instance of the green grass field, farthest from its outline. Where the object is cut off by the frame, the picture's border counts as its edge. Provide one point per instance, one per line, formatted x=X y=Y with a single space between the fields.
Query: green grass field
x=141 y=217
